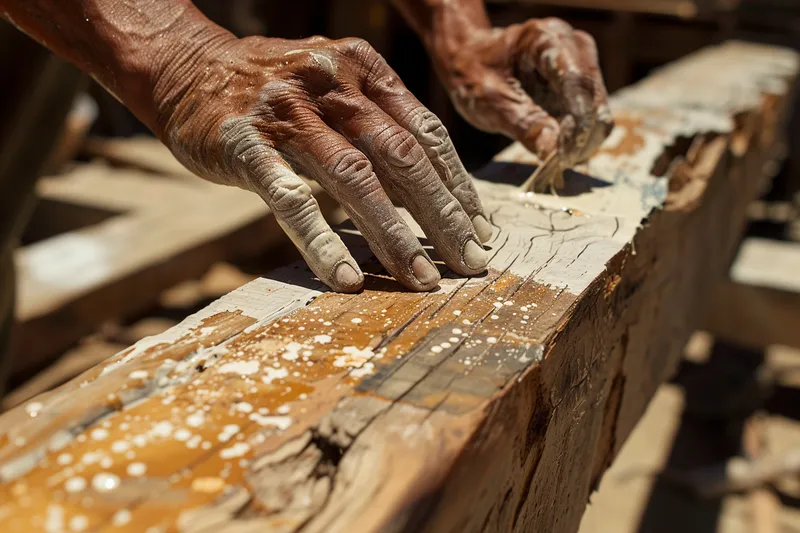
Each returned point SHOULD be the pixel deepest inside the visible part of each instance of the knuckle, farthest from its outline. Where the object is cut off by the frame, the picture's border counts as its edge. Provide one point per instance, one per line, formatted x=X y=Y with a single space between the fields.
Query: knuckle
x=401 y=148
x=396 y=229
x=557 y=25
x=355 y=47
x=351 y=169
x=432 y=131
x=452 y=210
x=289 y=196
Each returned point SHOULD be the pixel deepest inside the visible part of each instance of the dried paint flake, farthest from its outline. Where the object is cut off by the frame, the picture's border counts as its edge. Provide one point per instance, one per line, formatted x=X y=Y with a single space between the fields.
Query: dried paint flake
x=322 y=339
x=365 y=370
x=243 y=407
x=228 y=431
x=242 y=368
x=292 y=351
x=196 y=419
x=105 y=482
x=353 y=357
x=237 y=450
x=280 y=422
x=271 y=374
x=75 y=484
x=121 y=517
x=136 y=469
x=120 y=446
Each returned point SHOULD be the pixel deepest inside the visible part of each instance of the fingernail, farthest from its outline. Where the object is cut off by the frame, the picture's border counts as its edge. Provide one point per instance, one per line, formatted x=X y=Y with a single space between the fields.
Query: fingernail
x=424 y=271
x=347 y=277
x=475 y=256
x=482 y=228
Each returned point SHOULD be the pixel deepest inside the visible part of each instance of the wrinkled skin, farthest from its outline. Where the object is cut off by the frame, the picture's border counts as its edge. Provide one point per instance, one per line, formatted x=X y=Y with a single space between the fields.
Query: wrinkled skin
x=537 y=82
x=334 y=111
x=256 y=112
x=520 y=80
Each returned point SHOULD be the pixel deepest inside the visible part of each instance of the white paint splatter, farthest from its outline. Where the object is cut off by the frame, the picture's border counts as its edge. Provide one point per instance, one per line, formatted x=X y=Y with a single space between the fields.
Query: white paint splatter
x=271 y=374
x=105 y=482
x=196 y=419
x=136 y=469
x=322 y=339
x=139 y=374
x=292 y=351
x=365 y=370
x=64 y=459
x=120 y=446
x=356 y=320
x=75 y=484
x=162 y=429
x=491 y=340
x=99 y=434
x=280 y=422
x=121 y=517
x=237 y=450
x=228 y=431
x=353 y=357
x=244 y=407
x=91 y=457
x=243 y=368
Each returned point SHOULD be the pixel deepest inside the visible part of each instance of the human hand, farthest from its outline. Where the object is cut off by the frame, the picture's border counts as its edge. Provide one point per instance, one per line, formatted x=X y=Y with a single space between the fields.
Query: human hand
x=257 y=111
x=537 y=82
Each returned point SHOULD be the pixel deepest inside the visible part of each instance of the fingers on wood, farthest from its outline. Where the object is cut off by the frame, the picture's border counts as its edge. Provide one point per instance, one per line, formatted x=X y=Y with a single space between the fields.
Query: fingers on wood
x=299 y=215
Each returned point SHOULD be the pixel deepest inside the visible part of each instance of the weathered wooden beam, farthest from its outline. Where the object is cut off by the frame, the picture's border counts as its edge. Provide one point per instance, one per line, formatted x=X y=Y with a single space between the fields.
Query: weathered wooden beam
x=759 y=305
x=494 y=404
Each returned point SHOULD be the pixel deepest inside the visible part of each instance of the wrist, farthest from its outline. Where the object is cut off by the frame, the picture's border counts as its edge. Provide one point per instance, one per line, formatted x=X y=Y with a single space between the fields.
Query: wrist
x=151 y=71
x=453 y=26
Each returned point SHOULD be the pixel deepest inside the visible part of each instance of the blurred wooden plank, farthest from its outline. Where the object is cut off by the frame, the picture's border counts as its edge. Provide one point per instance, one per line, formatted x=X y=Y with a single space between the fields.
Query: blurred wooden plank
x=493 y=404
x=158 y=232
x=759 y=305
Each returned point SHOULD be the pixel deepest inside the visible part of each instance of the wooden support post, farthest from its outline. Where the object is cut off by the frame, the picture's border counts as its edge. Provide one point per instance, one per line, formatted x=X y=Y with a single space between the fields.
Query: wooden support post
x=494 y=404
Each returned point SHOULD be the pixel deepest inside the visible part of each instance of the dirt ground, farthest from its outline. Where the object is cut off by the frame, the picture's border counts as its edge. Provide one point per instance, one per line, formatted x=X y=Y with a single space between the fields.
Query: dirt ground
x=720 y=396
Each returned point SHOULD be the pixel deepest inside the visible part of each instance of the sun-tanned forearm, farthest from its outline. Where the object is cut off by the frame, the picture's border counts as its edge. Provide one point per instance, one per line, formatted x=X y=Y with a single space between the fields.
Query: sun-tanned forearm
x=145 y=52
x=257 y=111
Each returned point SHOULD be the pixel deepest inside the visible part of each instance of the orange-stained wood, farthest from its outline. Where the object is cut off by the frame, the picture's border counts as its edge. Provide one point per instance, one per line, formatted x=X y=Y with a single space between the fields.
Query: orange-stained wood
x=492 y=404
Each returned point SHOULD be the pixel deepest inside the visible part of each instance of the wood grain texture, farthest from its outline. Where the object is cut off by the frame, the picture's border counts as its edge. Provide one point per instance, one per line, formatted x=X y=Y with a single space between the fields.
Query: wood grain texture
x=160 y=231
x=493 y=404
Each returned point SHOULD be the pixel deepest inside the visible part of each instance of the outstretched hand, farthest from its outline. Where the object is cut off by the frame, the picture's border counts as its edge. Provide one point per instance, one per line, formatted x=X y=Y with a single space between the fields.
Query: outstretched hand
x=262 y=110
